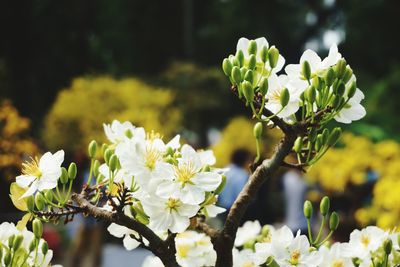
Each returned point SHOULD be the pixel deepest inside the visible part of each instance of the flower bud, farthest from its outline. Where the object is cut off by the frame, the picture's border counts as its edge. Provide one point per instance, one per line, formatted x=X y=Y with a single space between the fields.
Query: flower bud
x=96 y=166
x=347 y=74
x=32 y=245
x=340 y=88
x=37 y=228
x=113 y=162
x=252 y=62
x=329 y=77
x=264 y=54
x=324 y=206
x=306 y=70
x=64 y=175
x=264 y=86
x=273 y=56
x=325 y=136
x=72 y=170
x=319 y=142
x=298 y=145
x=252 y=48
x=265 y=230
x=340 y=68
x=249 y=244
x=307 y=209
x=387 y=246
x=334 y=136
x=17 y=242
x=49 y=195
x=39 y=201
x=107 y=155
x=104 y=146
x=30 y=203
x=221 y=185
x=92 y=149
x=240 y=57
x=128 y=133
x=333 y=221
x=257 y=130
x=285 y=96
x=236 y=75
x=249 y=76
x=352 y=89
x=248 y=91
x=7 y=258
x=227 y=67
x=311 y=94
x=45 y=247
x=316 y=82
x=312 y=136
x=11 y=241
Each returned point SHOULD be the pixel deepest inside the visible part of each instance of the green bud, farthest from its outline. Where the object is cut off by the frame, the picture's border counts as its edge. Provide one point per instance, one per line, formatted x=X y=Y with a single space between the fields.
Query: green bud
x=39 y=201
x=264 y=54
x=387 y=246
x=273 y=56
x=45 y=248
x=240 y=57
x=221 y=185
x=306 y=70
x=113 y=162
x=340 y=68
x=107 y=155
x=311 y=94
x=92 y=149
x=17 y=242
x=352 y=89
x=333 y=221
x=249 y=244
x=32 y=245
x=329 y=77
x=104 y=146
x=307 y=209
x=316 y=82
x=312 y=136
x=252 y=62
x=319 y=142
x=334 y=136
x=249 y=76
x=30 y=203
x=37 y=227
x=257 y=130
x=298 y=145
x=285 y=96
x=248 y=91
x=340 y=88
x=49 y=195
x=265 y=230
x=64 y=175
x=325 y=136
x=11 y=241
x=128 y=133
x=236 y=75
x=347 y=74
x=227 y=67
x=96 y=166
x=376 y=263
x=72 y=170
x=252 y=48
x=336 y=101
x=264 y=86
x=7 y=258
x=324 y=205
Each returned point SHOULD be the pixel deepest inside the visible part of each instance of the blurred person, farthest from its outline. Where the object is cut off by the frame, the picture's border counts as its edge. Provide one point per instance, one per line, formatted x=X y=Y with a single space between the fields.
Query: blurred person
x=236 y=177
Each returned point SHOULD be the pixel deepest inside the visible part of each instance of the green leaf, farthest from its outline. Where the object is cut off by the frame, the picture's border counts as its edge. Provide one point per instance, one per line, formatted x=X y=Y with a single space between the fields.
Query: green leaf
x=15 y=194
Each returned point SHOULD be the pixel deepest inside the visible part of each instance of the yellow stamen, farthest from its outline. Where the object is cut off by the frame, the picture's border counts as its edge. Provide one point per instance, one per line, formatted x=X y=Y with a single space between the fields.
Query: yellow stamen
x=294 y=257
x=365 y=240
x=185 y=173
x=338 y=263
x=173 y=204
x=152 y=156
x=182 y=250
x=32 y=168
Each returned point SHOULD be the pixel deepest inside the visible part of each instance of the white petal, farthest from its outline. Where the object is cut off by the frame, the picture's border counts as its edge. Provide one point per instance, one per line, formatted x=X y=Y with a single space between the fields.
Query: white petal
x=130 y=243
x=213 y=210
x=45 y=183
x=32 y=189
x=191 y=194
x=25 y=180
x=207 y=157
x=312 y=58
x=117 y=230
x=167 y=189
x=179 y=224
x=208 y=181
x=243 y=44
x=174 y=143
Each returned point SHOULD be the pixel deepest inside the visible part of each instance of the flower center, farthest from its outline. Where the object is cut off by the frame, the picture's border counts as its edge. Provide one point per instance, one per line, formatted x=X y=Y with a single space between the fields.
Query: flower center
x=185 y=173
x=183 y=250
x=338 y=263
x=294 y=257
x=31 y=168
x=365 y=240
x=248 y=264
x=152 y=156
x=173 y=204
x=275 y=96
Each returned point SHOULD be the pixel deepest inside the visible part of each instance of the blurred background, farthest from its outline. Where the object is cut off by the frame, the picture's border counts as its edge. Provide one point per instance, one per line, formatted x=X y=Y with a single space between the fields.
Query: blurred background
x=68 y=66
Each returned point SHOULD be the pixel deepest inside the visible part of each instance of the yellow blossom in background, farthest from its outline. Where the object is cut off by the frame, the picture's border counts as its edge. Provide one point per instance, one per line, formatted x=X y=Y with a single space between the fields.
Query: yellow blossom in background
x=351 y=163
x=15 y=143
x=239 y=134
x=79 y=111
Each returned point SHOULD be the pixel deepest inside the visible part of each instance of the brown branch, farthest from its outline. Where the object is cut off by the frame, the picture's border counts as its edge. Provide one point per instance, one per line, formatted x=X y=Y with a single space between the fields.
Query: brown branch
x=299 y=167
x=156 y=244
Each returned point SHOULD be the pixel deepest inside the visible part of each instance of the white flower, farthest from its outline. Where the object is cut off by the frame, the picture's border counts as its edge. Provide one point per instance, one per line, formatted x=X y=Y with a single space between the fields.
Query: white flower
x=117 y=132
x=263 y=247
x=39 y=175
x=243 y=44
x=243 y=258
x=247 y=231
x=334 y=256
x=186 y=181
x=353 y=110
x=211 y=210
x=363 y=242
x=168 y=214
x=126 y=233
x=317 y=65
x=276 y=85
x=152 y=261
x=194 y=250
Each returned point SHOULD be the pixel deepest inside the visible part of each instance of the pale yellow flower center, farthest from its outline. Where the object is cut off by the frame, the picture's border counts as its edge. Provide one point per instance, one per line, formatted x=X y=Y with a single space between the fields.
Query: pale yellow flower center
x=183 y=250
x=31 y=168
x=275 y=96
x=185 y=173
x=248 y=264
x=294 y=257
x=173 y=204
x=152 y=156
x=338 y=263
x=365 y=240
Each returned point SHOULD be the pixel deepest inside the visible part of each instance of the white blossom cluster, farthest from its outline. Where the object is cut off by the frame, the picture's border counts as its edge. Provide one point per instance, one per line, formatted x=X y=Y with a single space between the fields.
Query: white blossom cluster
x=18 y=248
x=268 y=246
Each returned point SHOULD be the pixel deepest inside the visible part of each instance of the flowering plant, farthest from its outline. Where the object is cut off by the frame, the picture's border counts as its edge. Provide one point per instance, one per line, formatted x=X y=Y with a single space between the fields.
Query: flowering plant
x=158 y=194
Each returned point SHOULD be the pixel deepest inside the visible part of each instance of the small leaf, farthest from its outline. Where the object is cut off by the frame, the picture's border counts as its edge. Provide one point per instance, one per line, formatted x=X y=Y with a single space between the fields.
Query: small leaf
x=24 y=220
x=15 y=194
